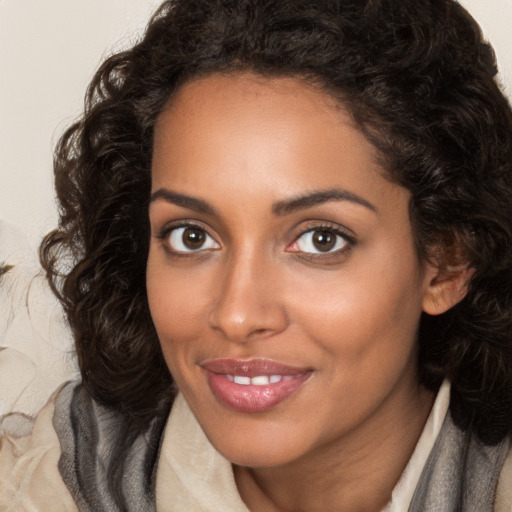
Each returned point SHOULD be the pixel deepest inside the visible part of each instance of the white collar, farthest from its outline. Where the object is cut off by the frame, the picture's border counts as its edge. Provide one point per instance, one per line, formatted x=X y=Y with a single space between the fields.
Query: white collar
x=193 y=476
x=404 y=489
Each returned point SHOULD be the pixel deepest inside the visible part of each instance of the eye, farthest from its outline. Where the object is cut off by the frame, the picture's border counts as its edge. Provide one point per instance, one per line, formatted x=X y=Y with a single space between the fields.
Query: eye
x=190 y=239
x=321 y=241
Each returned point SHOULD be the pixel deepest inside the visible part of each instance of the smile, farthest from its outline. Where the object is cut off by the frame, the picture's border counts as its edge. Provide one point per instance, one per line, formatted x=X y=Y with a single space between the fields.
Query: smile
x=255 y=385
x=260 y=380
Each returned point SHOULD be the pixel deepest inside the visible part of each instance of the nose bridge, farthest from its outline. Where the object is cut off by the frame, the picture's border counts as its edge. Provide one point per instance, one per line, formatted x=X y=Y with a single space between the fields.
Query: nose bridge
x=247 y=303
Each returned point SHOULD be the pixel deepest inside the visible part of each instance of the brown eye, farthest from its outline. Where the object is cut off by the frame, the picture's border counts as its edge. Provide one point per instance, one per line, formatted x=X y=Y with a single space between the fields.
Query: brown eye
x=190 y=239
x=321 y=240
x=324 y=240
x=193 y=238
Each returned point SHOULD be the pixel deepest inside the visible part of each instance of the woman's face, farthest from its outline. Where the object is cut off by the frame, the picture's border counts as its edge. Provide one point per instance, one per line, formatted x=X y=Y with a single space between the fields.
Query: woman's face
x=282 y=275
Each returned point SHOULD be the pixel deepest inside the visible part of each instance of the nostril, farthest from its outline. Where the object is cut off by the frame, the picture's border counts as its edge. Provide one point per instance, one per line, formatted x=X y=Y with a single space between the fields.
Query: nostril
x=260 y=333
x=254 y=324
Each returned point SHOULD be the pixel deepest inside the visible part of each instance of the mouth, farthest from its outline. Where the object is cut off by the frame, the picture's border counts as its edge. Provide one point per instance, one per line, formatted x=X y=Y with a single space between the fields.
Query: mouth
x=254 y=385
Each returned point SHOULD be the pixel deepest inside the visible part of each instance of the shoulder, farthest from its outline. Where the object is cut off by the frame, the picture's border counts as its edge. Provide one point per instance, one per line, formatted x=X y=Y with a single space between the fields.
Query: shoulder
x=29 y=473
x=107 y=456
x=503 y=502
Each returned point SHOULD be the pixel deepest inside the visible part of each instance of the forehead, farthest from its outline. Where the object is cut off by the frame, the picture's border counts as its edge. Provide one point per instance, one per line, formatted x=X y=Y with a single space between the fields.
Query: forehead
x=237 y=135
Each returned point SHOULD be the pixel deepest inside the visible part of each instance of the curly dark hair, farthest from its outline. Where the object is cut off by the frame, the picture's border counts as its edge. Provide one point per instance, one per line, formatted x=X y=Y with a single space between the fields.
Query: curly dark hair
x=419 y=81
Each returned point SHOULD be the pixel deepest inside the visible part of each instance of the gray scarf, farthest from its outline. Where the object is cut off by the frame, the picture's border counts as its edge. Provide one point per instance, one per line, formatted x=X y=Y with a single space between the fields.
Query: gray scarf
x=107 y=469
x=461 y=473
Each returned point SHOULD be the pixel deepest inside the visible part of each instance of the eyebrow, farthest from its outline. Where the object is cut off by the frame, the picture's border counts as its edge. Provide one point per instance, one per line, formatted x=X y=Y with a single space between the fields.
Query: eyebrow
x=280 y=209
x=305 y=201
x=192 y=203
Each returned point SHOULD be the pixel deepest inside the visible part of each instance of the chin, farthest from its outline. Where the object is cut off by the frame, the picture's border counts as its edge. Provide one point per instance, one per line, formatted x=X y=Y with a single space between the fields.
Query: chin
x=259 y=456
x=256 y=444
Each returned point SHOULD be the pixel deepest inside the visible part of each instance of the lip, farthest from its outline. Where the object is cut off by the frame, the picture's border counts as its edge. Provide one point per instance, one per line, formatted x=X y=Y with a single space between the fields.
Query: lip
x=251 y=398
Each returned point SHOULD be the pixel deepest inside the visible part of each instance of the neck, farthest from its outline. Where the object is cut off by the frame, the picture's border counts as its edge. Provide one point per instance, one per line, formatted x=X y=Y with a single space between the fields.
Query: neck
x=356 y=473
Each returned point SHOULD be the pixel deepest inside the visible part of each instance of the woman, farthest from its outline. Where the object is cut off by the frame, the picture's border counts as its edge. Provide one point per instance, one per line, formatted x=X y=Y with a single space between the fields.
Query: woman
x=299 y=210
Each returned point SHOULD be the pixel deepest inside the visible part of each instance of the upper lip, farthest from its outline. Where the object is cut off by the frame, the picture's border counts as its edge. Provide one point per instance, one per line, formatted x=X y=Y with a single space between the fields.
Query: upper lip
x=251 y=367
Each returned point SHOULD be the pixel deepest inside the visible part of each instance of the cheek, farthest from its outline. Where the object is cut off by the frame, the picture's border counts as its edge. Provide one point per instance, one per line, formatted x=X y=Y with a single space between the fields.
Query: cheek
x=370 y=306
x=177 y=303
x=174 y=291
x=366 y=330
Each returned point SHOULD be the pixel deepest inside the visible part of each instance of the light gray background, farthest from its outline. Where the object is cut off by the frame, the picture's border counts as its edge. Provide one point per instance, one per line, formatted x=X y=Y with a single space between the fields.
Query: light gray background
x=49 y=50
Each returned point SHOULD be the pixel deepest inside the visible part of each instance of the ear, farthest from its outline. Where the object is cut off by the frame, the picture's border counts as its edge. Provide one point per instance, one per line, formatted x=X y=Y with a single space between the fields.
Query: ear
x=445 y=287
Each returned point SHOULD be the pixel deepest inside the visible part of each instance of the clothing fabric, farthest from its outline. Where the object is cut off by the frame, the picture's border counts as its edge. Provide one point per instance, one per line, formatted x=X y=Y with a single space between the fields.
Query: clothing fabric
x=63 y=464
x=80 y=423
x=29 y=478
x=461 y=473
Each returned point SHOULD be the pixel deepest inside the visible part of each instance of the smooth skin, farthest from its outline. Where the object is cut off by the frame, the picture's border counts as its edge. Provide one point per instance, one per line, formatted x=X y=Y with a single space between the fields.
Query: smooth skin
x=276 y=235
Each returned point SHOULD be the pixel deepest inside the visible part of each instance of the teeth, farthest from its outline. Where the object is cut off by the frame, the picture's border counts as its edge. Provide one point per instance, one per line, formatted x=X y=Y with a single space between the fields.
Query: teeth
x=238 y=379
x=260 y=380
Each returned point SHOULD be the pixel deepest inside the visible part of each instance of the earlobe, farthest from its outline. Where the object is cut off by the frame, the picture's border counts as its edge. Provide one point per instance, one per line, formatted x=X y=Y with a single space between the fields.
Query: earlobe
x=447 y=287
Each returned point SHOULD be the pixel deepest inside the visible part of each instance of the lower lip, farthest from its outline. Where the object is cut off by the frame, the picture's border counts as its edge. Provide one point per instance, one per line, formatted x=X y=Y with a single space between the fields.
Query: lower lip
x=251 y=398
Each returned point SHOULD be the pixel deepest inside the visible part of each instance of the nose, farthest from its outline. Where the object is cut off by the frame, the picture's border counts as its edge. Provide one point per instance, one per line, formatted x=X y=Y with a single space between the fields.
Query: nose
x=248 y=304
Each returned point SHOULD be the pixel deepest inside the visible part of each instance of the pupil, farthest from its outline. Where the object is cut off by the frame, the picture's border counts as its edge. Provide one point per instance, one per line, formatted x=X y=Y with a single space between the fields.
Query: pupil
x=324 y=240
x=193 y=238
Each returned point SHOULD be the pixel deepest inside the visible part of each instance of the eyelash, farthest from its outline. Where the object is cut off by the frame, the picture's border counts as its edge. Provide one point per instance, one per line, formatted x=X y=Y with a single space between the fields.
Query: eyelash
x=166 y=233
x=348 y=241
